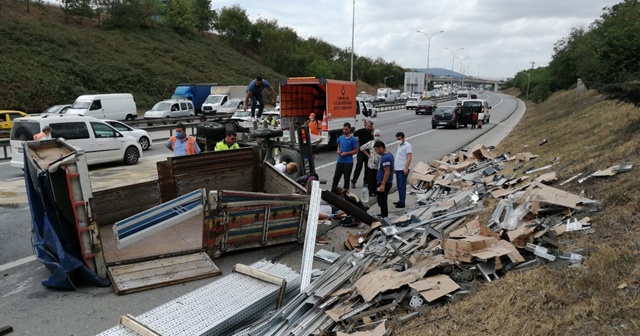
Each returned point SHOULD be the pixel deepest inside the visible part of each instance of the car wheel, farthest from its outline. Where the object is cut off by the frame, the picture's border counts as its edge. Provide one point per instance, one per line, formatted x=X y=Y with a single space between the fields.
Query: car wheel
x=417 y=113
x=131 y=155
x=130 y=117
x=455 y=125
x=433 y=126
x=144 y=143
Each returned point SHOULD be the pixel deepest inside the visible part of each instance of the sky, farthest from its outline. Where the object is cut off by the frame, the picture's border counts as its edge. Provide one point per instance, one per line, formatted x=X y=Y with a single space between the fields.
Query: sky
x=499 y=37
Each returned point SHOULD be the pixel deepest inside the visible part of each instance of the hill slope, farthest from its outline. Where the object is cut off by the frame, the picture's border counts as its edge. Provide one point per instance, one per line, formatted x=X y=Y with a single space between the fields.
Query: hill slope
x=46 y=62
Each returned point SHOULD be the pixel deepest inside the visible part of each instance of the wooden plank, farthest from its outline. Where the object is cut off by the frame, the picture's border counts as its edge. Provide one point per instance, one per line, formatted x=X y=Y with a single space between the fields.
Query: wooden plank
x=279 y=183
x=264 y=276
x=162 y=272
x=257 y=182
x=165 y=181
x=137 y=326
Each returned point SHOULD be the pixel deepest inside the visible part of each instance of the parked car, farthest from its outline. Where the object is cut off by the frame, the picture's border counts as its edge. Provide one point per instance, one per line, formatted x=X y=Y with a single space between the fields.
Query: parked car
x=171 y=108
x=7 y=117
x=231 y=106
x=57 y=109
x=373 y=111
x=447 y=116
x=143 y=137
x=474 y=96
x=412 y=103
x=479 y=106
x=425 y=107
x=100 y=142
x=241 y=116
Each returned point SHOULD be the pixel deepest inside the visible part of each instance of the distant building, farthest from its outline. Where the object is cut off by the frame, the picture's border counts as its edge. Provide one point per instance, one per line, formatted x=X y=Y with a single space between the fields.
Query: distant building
x=414 y=82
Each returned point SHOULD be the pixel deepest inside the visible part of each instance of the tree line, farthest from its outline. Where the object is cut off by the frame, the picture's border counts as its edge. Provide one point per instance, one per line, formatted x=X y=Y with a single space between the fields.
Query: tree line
x=605 y=56
x=276 y=46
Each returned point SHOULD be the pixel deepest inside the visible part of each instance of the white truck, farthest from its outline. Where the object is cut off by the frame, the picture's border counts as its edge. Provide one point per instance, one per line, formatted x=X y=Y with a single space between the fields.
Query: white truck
x=382 y=94
x=220 y=95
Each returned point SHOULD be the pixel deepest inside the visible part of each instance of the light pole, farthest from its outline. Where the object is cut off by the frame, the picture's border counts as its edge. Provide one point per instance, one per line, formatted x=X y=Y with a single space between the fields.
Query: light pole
x=453 y=59
x=461 y=59
x=353 y=29
x=385 y=80
x=528 y=81
x=429 y=49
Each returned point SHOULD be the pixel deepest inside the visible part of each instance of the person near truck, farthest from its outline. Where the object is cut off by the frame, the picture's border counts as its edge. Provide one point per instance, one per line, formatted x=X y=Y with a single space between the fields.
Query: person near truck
x=347 y=146
x=270 y=121
x=182 y=144
x=402 y=163
x=254 y=91
x=229 y=142
x=373 y=161
x=314 y=125
x=286 y=168
x=45 y=134
x=384 y=177
x=363 y=135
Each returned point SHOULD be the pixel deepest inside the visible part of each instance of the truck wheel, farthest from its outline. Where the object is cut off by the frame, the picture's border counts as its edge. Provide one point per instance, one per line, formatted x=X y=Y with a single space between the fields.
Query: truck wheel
x=131 y=155
x=289 y=155
x=213 y=131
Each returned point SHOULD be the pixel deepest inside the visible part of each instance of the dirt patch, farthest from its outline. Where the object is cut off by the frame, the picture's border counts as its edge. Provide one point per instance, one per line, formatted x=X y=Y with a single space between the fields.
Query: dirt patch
x=584 y=133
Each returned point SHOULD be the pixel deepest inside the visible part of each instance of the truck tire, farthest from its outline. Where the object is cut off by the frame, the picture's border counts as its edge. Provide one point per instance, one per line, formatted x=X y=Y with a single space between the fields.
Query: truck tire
x=289 y=155
x=212 y=130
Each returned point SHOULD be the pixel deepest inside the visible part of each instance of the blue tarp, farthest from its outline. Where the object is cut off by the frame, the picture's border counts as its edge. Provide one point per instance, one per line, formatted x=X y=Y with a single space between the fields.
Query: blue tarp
x=55 y=240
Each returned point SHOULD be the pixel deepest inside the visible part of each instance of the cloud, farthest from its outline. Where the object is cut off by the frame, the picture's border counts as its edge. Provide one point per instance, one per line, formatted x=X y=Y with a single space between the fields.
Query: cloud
x=499 y=37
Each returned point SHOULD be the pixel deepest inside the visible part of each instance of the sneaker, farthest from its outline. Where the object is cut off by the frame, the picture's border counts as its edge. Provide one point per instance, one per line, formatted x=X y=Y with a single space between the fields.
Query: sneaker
x=396 y=203
x=322 y=241
x=353 y=185
x=399 y=206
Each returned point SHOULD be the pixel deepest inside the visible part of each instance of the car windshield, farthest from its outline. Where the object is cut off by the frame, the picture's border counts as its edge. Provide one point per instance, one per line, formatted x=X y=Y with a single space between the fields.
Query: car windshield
x=81 y=104
x=472 y=104
x=161 y=106
x=241 y=114
x=213 y=99
x=232 y=103
x=444 y=110
x=462 y=95
x=426 y=102
x=413 y=99
x=54 y=109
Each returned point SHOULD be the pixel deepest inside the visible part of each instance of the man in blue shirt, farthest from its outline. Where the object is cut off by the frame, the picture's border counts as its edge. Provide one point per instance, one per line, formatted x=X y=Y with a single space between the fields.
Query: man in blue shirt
x=347 y=147
x=254 y=91
x=384 y=178
x=182 y=144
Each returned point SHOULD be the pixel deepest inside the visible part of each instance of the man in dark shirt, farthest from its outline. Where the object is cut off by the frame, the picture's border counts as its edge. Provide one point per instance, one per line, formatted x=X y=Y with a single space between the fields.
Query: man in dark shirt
x=385 y=177
x=363 y=135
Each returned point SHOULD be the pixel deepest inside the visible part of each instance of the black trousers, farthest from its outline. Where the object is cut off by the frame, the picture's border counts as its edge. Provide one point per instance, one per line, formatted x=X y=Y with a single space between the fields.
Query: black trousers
x=382 y=200
x=371 y=175
x=255 y=99
x=342 y=170
x=361 y=163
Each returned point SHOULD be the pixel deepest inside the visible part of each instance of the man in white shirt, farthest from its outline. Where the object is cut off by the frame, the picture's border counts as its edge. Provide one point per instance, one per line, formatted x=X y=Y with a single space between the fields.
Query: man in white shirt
x=287 y=169
x=402 y=163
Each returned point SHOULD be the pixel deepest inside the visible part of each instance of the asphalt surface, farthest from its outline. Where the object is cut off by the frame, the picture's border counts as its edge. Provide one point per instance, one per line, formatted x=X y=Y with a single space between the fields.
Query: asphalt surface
x=33 y=309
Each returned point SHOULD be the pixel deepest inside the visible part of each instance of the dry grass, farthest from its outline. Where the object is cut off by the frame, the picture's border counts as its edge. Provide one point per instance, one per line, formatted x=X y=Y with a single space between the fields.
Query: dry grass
x=602 y=297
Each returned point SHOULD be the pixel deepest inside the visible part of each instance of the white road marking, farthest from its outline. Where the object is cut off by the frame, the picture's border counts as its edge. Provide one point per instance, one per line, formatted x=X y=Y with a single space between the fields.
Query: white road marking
x=408 y=122
x=4 y=163
x=404 y=114
x=17 y=263
x=15 y=178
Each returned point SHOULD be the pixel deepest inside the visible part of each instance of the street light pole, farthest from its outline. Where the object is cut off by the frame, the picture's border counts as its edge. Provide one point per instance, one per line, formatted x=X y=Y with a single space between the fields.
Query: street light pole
x=528 y=81
x=453 y=59
x=353 y=29
x=429 y=49
x=385 y=80
x=461 y=59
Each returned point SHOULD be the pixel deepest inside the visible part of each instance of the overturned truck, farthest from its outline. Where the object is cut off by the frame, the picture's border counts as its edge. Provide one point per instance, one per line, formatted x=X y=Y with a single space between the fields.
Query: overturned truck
x=161 y=231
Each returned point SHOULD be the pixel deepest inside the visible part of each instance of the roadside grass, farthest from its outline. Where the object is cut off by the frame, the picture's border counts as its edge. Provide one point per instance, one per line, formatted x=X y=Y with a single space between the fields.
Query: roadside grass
x=602 y=297
x=46 y=62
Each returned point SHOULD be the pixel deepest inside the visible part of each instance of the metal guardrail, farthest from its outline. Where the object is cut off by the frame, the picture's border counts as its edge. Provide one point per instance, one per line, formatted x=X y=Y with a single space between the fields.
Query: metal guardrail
x=6 y=149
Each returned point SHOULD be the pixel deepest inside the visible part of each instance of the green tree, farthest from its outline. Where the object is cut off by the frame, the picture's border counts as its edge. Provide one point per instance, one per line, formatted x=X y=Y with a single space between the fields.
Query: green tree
x=234 y=26
x=179 y=16
x=131 y=13
x=320 y=68
x=204 y=15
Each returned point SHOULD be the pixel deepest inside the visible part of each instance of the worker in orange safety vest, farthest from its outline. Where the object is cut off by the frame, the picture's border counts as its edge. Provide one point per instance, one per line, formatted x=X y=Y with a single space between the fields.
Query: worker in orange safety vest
x=182 y=144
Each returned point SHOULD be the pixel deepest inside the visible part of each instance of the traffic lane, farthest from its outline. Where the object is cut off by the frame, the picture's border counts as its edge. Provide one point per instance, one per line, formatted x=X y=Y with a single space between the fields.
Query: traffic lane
x=15 y=232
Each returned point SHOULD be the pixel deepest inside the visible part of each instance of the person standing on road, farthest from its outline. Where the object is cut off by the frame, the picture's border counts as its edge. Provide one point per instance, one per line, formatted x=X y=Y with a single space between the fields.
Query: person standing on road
x=229 y=142
x=182 y=144
x=403 y=157
x=363 y=135
x=314 y=125
x=254 y=91
x=44 y=135
x=373 y=162
x=384 y=177
x=347 y=146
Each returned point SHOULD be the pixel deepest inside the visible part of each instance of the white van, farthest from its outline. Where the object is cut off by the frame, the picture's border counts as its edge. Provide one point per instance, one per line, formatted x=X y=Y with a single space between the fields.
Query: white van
x=100 y=142
x=115 y=106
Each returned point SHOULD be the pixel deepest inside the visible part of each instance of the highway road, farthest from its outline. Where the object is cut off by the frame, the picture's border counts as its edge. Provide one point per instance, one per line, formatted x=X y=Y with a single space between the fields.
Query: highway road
x=33 y=309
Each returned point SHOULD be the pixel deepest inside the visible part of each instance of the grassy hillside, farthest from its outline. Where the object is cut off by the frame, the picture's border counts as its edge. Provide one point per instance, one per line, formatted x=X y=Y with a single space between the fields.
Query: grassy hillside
x=46 y=62
x=602 y=297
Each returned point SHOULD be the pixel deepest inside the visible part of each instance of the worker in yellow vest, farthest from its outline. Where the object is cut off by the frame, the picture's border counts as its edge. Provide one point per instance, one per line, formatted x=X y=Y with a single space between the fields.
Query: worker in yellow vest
x=229 y=142
x=182 y=144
